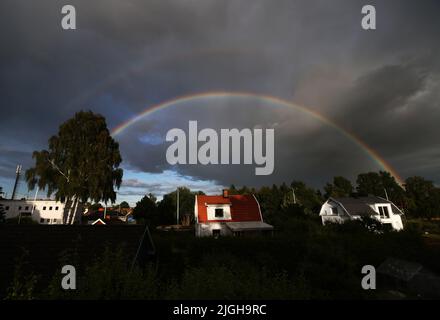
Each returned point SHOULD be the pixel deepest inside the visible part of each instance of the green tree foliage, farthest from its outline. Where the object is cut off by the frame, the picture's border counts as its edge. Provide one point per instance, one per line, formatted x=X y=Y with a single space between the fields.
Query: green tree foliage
x=2 y=209
x=280 y=203
x=377 y=183
x=168 y=206
x=341 y=187
x=95 y=206
x=2 y=214
x=81 y=163
x=423 y=197
x=307 y=197
x=124 y=205
x=146 y=210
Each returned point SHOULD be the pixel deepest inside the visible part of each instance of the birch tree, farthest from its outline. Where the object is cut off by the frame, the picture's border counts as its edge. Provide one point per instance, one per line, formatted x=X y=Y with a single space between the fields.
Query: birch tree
x=81 y=163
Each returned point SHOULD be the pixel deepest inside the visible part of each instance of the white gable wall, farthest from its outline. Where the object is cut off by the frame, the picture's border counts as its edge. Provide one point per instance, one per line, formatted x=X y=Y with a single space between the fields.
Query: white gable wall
x=210 y=210
x=328 y=216
x=395 y=219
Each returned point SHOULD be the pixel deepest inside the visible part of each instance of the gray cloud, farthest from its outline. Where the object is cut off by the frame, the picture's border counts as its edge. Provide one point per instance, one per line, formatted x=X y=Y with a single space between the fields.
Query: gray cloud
x=381 y=85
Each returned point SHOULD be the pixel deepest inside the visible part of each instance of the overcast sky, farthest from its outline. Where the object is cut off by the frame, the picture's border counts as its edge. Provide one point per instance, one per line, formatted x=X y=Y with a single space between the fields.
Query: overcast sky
x=125 y=56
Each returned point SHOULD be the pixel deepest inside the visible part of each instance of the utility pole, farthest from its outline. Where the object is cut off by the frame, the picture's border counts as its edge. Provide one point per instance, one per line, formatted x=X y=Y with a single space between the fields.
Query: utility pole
x=386 y=194
x=294 y=197
x=17 y=178
x=177 y=209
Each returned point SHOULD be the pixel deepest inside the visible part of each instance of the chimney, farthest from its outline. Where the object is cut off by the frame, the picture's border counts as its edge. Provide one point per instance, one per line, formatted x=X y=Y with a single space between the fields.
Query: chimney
x=225 y=193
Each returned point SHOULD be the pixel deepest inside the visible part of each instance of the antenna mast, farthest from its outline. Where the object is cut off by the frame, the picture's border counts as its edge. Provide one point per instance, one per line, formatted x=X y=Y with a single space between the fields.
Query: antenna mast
x=177 y=209
x=17 y=178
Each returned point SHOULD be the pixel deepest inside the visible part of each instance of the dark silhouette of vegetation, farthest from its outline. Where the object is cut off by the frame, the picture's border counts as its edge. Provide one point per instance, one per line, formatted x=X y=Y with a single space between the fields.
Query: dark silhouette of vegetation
x=124 y=205
x=164 y=211
x=146 y=211
x=2 y=209
x=381 y=184
x=341 y=187
x=81 y=163
x=423 y=198
x=302 y=261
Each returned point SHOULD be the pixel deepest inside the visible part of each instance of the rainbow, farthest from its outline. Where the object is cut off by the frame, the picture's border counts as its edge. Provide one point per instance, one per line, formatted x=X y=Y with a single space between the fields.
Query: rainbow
x=370 y=152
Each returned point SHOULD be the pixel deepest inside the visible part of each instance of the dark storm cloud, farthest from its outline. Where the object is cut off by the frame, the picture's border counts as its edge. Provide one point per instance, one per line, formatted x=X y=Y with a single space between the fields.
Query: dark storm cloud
x=382 y=85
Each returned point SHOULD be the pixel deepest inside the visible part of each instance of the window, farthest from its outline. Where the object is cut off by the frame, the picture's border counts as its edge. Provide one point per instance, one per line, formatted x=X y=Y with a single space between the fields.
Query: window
x=44 y=208
x=383 y=212
x=55 y=220
x=50 y=208
x=26 y=208
x=334 y=210
x=19 y=208
x=47 y=220
x=41 y=220
x=56 y=208
x=219 y=213
x=7 y=208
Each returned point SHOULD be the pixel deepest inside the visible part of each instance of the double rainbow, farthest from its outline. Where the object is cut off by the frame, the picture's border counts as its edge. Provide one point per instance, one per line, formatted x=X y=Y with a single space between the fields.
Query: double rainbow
x=370 y=152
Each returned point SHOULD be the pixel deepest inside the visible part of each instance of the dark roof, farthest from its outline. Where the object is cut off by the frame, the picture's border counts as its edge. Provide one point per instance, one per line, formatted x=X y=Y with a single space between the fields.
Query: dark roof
x=401 y=269
x=47 y=244
x=413 y=276
x=361 y=205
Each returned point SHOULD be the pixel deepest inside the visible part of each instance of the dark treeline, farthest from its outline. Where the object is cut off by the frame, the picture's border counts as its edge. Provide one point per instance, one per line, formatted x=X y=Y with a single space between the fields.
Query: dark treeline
x=418 y=198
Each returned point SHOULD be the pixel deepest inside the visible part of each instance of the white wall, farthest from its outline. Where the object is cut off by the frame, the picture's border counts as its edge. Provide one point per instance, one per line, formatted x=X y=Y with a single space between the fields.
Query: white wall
x=327 y=215
x=44 y=211
x=210 y=210
x=206 y=229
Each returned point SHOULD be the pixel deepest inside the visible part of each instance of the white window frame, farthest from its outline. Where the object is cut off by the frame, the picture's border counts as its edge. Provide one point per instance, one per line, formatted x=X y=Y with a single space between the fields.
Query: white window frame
x=384 y=208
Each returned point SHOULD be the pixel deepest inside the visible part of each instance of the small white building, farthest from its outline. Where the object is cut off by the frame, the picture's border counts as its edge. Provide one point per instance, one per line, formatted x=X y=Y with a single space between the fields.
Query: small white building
x=339 y=210
x=42 y=211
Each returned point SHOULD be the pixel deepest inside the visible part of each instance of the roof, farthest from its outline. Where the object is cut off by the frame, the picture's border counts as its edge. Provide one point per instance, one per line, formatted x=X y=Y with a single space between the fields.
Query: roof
x=362 y=205
x=29 y=200
x=243 y=207
x=214 y=199
x=248 y=226
x=99 y=222
x=401 y=269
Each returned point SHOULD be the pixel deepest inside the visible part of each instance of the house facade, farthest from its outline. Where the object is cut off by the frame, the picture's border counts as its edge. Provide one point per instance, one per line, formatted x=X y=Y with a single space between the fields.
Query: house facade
x=339 y=210
x=42 y=211
x=228 y=215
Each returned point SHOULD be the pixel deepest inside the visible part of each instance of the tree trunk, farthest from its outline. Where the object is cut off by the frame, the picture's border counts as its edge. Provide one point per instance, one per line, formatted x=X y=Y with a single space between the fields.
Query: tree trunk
x=74 y=211
x=71 y=212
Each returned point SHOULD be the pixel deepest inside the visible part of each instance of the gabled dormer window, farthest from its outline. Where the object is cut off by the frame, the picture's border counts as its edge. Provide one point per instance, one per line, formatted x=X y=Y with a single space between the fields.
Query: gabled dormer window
x=383 y=212
x=335 y=211
x=219 y=213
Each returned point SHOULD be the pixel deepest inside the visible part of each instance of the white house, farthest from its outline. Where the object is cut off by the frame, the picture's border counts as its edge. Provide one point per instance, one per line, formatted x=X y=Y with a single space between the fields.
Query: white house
x=42 y=211
x=228 y=215
x=339 y=210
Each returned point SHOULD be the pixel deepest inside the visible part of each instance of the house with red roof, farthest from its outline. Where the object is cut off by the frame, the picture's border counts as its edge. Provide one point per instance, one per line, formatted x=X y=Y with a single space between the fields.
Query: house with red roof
x=228 y=215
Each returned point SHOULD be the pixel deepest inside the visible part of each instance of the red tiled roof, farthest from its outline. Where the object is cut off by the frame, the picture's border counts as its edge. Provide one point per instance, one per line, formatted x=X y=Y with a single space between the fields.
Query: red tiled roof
x=243 y=207
x=213 y=200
